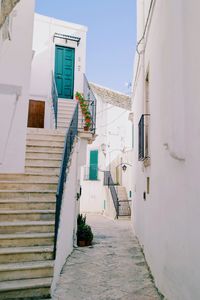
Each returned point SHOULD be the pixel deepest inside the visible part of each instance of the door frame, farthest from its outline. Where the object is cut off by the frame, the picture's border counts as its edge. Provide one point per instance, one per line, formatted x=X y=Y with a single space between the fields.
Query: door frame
x=74 y=64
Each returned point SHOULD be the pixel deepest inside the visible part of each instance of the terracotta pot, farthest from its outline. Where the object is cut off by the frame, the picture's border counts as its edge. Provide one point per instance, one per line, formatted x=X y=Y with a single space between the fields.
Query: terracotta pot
x=87 y=120
x=86 y=128
x=84 y=243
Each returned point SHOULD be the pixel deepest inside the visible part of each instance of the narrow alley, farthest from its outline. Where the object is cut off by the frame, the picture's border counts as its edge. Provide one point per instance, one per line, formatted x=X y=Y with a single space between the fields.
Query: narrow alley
x=112 y=268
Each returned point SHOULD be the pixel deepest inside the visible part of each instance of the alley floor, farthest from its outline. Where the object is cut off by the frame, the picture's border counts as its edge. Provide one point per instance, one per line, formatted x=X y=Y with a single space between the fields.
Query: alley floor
x=112 y=268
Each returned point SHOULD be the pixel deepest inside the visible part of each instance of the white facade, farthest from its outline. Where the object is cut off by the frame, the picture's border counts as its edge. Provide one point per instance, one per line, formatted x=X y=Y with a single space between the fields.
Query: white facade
x=70 y=209
x=167 y=222
x=123 y=177
x=43 y=65
x=15 y=67
x=114 y=135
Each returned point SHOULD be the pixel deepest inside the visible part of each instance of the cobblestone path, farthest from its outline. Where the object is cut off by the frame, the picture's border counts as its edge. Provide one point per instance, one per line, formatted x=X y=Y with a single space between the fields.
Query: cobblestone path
x=113 y=268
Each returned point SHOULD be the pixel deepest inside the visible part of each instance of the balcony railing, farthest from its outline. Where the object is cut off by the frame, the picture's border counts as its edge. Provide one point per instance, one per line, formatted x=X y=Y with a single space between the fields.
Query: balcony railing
x=71 y=133
x=111 y=185
x=91 y=100
x=143 y=137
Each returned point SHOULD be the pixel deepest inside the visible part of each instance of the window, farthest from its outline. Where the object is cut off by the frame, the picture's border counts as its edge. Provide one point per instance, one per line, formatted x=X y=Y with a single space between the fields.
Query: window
x=143 y=137
x=143 y=127
x=93 y=169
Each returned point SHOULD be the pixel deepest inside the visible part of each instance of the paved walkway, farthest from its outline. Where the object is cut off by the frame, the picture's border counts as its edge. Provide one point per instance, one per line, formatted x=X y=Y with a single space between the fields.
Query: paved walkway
x=113 y=268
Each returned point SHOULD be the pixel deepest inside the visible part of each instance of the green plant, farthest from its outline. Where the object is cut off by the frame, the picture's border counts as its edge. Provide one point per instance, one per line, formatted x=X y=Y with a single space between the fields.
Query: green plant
x=81 y=220
x=85 y=110
x=84 y=233
x=79 y=96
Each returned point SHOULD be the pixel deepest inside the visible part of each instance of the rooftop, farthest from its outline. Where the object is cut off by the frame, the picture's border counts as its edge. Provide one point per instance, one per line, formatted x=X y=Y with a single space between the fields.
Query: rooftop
x=112 y=97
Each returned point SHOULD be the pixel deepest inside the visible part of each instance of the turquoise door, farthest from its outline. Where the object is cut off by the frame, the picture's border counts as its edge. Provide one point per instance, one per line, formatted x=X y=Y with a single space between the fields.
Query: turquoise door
x=64 y=72
x=93 y=172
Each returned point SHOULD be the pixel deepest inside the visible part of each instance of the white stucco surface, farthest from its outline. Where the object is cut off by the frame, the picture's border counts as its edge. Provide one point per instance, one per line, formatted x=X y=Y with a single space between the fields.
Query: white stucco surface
x=15 y=66
x=114 y=134
x=167 y=222
x=44 y=58
x=69 y=211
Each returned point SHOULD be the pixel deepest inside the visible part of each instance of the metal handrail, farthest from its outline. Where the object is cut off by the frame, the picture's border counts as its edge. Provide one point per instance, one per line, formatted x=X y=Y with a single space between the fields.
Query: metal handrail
x=71 y=133
x=91 y=100
x=54 y=95
x=111 y=185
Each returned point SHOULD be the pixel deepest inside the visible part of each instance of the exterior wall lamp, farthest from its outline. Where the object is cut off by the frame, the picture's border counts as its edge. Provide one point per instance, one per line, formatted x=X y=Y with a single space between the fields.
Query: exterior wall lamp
x=124 y=167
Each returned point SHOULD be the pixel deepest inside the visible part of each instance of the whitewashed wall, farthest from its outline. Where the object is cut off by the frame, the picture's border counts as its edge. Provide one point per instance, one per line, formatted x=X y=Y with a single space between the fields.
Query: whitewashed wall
x=44 y=58
x=167 y=222
x=124 y=178
x=15 y=66
x=69 y=211
x=114 y=132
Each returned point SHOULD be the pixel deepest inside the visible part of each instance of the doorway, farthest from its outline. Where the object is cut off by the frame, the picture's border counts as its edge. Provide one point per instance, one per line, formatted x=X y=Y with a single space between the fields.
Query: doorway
x=64 y=71
x=36 y=114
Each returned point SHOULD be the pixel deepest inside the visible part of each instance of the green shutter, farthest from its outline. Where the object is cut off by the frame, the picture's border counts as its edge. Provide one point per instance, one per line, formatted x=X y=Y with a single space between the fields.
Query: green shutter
x=93 y=174
x=64 y=71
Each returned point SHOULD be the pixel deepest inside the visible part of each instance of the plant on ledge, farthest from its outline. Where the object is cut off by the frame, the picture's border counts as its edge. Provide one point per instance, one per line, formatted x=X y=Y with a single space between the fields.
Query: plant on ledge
x=85 y=110
x=84 y=232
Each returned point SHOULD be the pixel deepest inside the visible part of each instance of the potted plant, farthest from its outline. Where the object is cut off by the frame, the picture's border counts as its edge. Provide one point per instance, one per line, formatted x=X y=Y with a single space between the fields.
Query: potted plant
x=78 y=96
x=84 y=235
x=84 y=232
x=87 y=125
x=85 y=110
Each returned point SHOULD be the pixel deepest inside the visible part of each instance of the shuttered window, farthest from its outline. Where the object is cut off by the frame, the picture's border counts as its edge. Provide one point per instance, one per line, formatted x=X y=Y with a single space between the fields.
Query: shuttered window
x=93 y=171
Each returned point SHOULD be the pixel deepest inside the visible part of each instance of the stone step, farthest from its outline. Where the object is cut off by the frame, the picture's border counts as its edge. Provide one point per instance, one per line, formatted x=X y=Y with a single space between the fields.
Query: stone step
x=41 y=155
x=25 y=254
x=26 y=239
x=28 y=195
x=24 y=270
x=48 y=162
x=65 y=113
x=23 y=185
x=45 y=131
x=63 y=119
x=44 y=137
x=44 y=143
x=39 y=148
x=68 y=103
x=25 y=289
x=43 y=169
x=124 y=218
x=26 y=215
x=27 y=227
x=63 y=124
x=28 y=177
x=26 y=204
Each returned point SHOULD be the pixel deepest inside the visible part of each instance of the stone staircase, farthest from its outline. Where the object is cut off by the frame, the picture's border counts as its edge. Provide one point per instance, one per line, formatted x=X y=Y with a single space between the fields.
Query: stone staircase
x=27 y=212
x=124 y=208
x=65 y=112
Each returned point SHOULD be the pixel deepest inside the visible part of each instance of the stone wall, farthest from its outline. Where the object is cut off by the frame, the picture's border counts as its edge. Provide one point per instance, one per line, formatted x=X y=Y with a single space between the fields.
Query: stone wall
x=6 y=8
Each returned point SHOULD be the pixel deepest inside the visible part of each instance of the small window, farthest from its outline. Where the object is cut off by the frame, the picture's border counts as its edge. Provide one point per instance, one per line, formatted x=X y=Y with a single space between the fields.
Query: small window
x=143 y=138
x=93 y=169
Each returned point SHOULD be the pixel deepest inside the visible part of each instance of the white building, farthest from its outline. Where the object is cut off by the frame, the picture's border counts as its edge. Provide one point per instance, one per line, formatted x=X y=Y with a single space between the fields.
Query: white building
x=166 y=94
x=39 y=165
x=56 y=44
x=114 y=138
x=15 y=68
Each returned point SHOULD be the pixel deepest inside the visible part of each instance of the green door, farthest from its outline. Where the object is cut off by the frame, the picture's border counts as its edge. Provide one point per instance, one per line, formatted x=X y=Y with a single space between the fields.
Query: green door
x=93 y=174
x=64 y=72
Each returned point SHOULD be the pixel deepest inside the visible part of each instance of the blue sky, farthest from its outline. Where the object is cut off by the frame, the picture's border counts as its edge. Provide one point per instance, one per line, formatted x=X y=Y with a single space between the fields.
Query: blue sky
x=111 y=36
